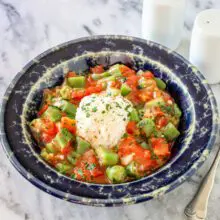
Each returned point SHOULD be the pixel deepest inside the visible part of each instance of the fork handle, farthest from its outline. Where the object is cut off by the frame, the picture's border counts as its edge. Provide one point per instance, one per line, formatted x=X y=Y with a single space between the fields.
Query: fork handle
x=197 y=208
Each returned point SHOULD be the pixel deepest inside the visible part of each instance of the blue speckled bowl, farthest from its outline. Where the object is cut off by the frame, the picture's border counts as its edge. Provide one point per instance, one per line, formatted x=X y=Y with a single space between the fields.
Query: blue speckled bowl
x=189 y=88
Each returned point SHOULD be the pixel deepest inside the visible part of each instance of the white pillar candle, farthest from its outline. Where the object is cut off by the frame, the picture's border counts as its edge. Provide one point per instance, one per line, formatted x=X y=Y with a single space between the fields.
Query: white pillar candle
x=163 y=21
x=205 y=44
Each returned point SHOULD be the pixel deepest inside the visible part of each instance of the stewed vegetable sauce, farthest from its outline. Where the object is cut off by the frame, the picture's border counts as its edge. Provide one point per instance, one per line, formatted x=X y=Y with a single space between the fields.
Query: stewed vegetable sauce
x=109 y=126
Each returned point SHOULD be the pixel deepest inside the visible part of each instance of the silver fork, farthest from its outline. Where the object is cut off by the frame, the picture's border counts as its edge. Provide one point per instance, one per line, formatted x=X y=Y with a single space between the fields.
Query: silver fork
x=197 y=208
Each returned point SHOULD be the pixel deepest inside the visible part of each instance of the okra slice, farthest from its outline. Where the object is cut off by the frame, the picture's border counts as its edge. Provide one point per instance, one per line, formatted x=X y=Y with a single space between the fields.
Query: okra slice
x=145 y=145
x=51 y=148
x=63 y=138
x=116 y=174
x=132 y=170
x=107 y=79
x=71 y=159
x=44 y=154
x=68 y=107
x=107 y=157
x=63 y=168
x=147 y=125
x=115 y=70
x=52 y=113
x=160 y=83
x=177 y=111
x=96 y=76
x=170 y=132
x=82 y=145
x=125 y=89
x=134 y=116
x=76 y=81
x=66 y=92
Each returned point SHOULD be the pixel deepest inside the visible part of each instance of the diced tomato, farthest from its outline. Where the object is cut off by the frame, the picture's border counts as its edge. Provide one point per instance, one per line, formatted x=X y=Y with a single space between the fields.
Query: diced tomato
x=132 y=81
x=142 y=156
x=48 y=127
x=87 y=167
x=161 y=122
x=132 y=127
x=148 y=75
x=101 y=179
x=79 y=94
x=157 y=112
x=93 y=89
x=160 y=147
x=42 y=110
x=46 y=138
x=48 y=130
x=134 y=97
x=115 y=84
x=71 y=74
x=69 y=124
x=145 y=95
x=154 y=112
x=66 y=150
x=126 y=146
x=126 y=71
x=97 y=69
x=90 y=82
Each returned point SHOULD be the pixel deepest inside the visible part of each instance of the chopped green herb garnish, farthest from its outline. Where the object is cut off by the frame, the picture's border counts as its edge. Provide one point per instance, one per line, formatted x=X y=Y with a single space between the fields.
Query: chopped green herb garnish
x=108 y=107
x=125 y=135
x=117 y=105
x=90 y=166
x=94 y=109
x=167 y=109
x=80 y=172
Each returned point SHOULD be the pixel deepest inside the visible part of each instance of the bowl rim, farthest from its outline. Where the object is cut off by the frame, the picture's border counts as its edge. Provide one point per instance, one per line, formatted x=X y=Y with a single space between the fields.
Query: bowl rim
x=104 y=202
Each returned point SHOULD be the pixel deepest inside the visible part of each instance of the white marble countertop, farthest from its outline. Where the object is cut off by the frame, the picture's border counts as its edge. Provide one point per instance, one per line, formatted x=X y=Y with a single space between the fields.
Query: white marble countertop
x=29 y=27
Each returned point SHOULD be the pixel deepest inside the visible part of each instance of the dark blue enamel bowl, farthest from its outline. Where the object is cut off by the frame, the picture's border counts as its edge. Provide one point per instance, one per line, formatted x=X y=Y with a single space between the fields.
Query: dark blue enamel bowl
x=188 y=87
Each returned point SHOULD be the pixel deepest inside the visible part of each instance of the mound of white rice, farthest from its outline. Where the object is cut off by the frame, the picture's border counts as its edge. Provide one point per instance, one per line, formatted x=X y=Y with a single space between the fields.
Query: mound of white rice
x=101 y=120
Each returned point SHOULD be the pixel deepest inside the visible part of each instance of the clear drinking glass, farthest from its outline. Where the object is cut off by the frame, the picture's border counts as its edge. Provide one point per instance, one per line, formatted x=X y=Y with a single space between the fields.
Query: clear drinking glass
x=163 y=21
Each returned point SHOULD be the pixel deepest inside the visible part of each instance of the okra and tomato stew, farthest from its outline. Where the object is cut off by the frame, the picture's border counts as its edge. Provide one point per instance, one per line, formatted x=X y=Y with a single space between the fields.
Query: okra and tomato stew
x=110 y=125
